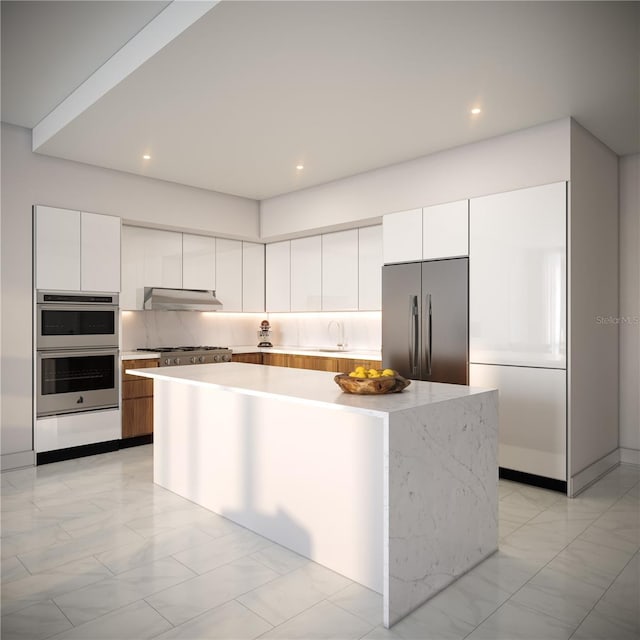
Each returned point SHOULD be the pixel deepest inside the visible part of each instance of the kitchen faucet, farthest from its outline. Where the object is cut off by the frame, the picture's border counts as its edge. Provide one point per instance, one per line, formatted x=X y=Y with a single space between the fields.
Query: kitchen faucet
x=341 y=342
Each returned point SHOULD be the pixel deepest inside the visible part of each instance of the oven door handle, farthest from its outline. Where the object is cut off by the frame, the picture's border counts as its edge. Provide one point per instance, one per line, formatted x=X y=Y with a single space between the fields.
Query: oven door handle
x=73 y=353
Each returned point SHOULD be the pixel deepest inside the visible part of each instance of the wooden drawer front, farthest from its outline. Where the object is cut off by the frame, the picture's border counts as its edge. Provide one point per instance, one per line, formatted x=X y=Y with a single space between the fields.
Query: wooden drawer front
x=139 y=388
x=347 y=364
x=137 y=417
x=317 y=363
x=276 y=359
x=137 y=364
x=251 y=358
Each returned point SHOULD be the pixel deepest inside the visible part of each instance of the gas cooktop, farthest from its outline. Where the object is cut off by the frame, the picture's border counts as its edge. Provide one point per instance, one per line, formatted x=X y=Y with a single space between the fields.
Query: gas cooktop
x=173 y=356
x=170 y=349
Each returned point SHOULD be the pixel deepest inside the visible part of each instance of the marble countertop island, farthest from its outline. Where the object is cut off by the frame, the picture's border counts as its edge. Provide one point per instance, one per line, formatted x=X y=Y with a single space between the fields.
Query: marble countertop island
x=397 y=492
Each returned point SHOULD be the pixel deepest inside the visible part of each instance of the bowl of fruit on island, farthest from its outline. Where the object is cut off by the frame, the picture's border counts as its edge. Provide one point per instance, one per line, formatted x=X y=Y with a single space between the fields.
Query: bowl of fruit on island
x=371 y=381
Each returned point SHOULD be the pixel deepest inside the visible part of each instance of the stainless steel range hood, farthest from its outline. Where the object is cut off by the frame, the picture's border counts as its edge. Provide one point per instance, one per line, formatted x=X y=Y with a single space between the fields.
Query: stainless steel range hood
x=163 y=299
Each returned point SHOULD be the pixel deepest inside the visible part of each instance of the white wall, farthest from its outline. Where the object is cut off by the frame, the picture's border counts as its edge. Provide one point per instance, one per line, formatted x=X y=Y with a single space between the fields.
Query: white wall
x=629 y=175
x=28 y=179
x=538 y=155
x=593 y=296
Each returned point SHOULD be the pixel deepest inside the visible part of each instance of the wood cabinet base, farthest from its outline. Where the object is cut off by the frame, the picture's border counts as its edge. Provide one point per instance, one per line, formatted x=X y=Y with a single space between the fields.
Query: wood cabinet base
x=137 y=417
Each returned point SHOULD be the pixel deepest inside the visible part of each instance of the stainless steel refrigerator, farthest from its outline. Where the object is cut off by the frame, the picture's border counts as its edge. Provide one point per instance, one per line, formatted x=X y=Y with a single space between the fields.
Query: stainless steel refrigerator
x=425 y=320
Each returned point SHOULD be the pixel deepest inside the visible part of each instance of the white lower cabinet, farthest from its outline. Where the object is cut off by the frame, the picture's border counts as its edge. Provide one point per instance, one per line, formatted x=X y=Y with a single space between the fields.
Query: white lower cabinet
x=252 y=276
x=306 y=274
x=533 y=416
x=278 y=276
x=76 y=429
x=229 y=274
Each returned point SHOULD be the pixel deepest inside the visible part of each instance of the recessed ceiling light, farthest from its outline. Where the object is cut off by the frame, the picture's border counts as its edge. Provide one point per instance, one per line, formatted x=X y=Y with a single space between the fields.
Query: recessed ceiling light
x=299 y=167
x=146 y=156
x=476 y=110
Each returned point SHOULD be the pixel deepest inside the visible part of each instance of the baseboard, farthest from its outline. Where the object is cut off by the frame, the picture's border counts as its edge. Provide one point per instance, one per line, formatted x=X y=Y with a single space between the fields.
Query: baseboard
x=125 y=443
x=58 y=455
x=581 y=480
x=534 y=480
x=630 y=456
x=18 y=460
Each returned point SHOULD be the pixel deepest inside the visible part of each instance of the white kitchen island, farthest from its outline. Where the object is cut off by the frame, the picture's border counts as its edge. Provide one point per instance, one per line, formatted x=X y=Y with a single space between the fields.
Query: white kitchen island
x=398 y=492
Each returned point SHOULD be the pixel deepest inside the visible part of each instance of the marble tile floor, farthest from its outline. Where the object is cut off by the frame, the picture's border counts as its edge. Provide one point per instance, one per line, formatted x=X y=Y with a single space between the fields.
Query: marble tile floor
x=92 y=549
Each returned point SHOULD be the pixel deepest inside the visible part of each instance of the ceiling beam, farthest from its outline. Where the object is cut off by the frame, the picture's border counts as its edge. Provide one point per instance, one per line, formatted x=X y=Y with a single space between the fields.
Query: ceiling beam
x=167 y=25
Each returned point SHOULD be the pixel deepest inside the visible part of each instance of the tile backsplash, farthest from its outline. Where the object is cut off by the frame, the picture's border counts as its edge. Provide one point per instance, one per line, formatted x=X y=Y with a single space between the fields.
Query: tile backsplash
x=361 y=330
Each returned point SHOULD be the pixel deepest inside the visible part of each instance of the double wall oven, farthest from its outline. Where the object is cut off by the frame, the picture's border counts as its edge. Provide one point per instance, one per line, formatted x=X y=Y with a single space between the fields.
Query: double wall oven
x=77 y=359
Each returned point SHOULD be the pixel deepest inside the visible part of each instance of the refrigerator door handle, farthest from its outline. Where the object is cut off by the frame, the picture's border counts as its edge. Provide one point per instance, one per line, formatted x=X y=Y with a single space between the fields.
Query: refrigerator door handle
x=414 y=319
x=428 y=332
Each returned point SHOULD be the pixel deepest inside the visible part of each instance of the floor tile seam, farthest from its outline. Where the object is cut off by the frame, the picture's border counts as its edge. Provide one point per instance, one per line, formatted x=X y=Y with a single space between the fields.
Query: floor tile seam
x=26 y=603
x=502 y=604
x=57 y=595
x=603 y=544
x=550 y=615
x=102 y=615
x=224 y=564
x=620 y=499
x=280 y=575
x=173 y=626
x=102 y=564
x=255 y=613
x=544 y=566
x=637 y=553
x=299 y=613
x=29 y=504
x=353 y=613
x=23 y=566
x=592 y=607
x=90 y=553
x=65 y=617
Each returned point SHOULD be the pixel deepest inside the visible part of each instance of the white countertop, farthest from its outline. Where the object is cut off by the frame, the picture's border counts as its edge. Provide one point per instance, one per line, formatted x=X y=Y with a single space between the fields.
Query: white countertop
x=138 y=355
x=315 y=387
x=324 y=352
x=302 y=351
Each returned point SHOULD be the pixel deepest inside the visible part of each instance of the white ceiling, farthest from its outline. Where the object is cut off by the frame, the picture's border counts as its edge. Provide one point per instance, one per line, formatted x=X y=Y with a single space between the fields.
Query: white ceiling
x=253 y=88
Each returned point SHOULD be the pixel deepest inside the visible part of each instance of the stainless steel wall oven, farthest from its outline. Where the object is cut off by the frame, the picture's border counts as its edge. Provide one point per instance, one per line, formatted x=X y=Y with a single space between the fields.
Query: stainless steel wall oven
x=70 y=320
x=77 y=358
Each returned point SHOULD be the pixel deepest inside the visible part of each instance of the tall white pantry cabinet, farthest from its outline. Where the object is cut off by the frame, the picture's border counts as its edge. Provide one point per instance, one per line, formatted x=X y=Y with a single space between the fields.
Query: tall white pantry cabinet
x=543 y=291
x=517 y=319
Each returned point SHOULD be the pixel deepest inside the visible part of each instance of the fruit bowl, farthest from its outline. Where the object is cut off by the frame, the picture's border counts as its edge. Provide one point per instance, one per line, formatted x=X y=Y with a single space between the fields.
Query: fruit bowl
x=371 y=386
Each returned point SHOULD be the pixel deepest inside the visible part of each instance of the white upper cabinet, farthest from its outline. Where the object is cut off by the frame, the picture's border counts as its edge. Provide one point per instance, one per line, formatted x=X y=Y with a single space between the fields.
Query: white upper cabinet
x=517 y=277
x=57 y=250
x=76 y=251
x=340 y=271
x=198 y=262
x=99 y=252
x=253 y=276
x=306 y=274
x=278 y=276
x=229 y=274
x=150 y=258
x=445 y=230
x=402 y=236
x=370 y=268
x=438 y=231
